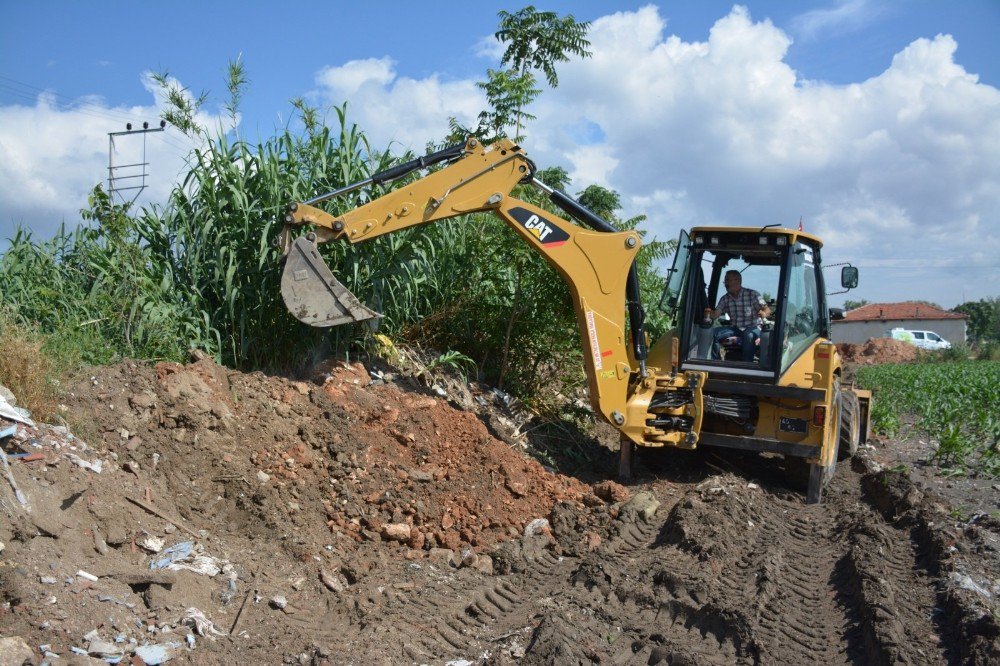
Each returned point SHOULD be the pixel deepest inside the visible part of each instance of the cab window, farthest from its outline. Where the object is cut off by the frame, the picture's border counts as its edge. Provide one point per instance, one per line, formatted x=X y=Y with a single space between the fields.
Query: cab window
x=670 y=301
x=760 y=271
x=802 y=312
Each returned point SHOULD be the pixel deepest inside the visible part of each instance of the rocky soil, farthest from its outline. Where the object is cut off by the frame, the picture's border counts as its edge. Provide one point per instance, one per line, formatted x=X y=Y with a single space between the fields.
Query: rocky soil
x=192 y=514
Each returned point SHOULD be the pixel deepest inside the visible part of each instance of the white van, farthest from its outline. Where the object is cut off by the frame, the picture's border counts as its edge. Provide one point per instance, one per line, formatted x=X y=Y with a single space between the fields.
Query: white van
x=922 y=339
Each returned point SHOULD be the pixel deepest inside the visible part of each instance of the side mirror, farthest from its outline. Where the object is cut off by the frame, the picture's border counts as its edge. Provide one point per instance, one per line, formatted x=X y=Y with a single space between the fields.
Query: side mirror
x=836 y=314
x=849 y=277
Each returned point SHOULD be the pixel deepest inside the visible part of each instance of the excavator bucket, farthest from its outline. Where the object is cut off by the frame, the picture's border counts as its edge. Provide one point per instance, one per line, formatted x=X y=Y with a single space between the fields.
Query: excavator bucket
x=311 y=292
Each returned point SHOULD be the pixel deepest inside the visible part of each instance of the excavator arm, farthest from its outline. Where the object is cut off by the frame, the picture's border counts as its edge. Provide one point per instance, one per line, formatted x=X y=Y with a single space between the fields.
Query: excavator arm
x=597 y=264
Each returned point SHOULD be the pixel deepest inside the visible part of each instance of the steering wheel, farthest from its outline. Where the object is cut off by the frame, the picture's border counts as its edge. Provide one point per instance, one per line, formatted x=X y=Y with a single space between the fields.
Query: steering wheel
x=805 y=320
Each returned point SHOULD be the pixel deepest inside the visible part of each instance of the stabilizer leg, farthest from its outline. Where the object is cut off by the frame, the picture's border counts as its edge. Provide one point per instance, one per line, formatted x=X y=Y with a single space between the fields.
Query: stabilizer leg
x=625 y=456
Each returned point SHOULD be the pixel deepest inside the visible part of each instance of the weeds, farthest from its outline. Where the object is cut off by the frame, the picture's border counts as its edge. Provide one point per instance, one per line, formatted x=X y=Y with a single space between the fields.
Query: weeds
x=456 y=361
x=960 y=513
x=201 y=270
x=26 y=370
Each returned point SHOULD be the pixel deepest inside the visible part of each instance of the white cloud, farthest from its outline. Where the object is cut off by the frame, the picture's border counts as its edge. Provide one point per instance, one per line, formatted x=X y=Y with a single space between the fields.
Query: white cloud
x=489 y=47
x=53 y=153
x=899 y=173
x=396 y=109
x=843 y=16
x=349 y=78
x=904 y=166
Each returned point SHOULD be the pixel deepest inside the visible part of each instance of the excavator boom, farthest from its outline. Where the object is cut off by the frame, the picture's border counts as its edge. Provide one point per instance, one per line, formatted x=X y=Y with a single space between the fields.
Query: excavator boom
x=597 y=264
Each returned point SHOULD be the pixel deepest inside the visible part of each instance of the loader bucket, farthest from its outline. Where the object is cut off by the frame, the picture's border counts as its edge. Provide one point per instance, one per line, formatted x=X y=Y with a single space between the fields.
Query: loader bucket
x=311 y=292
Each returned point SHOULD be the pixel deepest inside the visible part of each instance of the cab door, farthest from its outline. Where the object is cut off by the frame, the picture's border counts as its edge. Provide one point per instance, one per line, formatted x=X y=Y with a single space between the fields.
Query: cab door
x=803 y=315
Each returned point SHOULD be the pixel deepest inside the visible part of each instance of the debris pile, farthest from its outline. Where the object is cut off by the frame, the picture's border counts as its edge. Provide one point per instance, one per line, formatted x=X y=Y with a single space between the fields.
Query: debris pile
x=878 y=351
x=182 y=503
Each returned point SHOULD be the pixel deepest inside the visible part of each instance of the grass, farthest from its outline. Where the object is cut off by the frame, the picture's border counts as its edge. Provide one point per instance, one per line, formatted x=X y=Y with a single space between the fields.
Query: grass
x=28 y=371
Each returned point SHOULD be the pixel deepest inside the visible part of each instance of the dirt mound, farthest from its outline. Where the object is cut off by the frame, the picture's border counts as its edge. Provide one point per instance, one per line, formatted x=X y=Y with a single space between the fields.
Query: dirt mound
x=371 y=456
x=877 y=351
x=262 y=489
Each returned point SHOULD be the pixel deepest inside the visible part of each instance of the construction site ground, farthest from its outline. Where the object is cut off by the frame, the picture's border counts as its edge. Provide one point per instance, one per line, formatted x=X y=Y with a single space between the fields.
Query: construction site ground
x=194 y=514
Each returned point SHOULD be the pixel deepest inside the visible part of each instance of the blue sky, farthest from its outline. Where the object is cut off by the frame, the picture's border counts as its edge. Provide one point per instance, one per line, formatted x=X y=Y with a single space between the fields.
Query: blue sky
x=79 y=49
x=868 y=118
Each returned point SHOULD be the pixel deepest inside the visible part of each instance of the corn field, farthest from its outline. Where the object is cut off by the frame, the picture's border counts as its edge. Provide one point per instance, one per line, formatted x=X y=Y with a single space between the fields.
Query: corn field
x=957 y=405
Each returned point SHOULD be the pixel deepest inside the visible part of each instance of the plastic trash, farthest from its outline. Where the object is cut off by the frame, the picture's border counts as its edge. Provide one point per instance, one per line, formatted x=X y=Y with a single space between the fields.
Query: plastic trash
x=178 y=551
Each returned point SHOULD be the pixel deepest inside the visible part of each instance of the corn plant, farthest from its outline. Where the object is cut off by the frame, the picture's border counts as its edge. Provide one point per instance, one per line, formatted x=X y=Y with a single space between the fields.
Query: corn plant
x=956 y=404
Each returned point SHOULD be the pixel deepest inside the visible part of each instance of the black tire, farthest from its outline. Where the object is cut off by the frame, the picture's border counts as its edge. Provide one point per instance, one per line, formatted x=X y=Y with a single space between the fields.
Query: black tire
x=819 y=479
x=850 y=425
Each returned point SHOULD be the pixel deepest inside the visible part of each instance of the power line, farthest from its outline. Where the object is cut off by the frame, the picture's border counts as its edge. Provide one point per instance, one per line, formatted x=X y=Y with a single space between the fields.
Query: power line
x=165 y=138
x=60 y=101
x=89 y=109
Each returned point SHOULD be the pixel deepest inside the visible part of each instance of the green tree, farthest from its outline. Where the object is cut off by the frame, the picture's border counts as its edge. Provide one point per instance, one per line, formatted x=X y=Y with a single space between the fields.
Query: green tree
x=507 y=92
x=555 y=177
x=536 y=41
x=984 y=318
x=853 y=305
x=600 y=200
x=519 y=283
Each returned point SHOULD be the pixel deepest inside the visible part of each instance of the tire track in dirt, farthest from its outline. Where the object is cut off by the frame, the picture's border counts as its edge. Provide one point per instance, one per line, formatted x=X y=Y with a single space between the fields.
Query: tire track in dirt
x=490 y=613
x=641 y=609
x=457 y=614
x=487 y=610
x=894 y=594
x=449 y=613
x=731 y=574
x=796 y=613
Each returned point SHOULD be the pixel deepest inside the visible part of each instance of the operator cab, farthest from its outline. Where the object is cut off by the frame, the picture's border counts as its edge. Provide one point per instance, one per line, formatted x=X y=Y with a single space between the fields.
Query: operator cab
x=781 y=265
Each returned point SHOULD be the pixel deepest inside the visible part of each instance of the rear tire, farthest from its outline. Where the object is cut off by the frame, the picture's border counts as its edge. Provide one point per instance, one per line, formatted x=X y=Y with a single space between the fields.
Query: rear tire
x=812 y=478
x=819 y=479
x=850 y=425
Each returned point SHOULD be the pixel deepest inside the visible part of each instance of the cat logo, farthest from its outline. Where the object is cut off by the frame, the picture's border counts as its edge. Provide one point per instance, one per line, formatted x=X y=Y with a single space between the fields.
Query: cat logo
x=535 y=225
x=546 y=232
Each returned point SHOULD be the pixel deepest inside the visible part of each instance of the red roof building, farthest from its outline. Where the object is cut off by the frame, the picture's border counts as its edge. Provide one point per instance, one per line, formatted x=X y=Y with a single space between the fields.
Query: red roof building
x=875 y=320
x=900 y=311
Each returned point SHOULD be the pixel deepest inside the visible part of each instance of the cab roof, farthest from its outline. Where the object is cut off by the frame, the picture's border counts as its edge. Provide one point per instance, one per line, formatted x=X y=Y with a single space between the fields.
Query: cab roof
x=794 y=235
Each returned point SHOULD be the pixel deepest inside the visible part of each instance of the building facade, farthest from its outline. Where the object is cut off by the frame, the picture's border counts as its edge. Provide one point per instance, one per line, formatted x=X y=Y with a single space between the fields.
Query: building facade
x=875 y=320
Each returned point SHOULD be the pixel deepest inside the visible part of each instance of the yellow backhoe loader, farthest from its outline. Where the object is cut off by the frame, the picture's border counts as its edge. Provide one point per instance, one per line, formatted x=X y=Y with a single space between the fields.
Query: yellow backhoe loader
x=693 y=387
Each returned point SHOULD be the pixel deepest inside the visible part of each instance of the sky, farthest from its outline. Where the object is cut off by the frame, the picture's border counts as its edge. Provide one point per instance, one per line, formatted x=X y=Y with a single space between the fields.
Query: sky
x=875 y=122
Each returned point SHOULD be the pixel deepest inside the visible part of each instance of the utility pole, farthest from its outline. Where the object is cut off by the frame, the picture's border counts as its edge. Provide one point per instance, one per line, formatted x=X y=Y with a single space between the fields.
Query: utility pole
x=126 y=172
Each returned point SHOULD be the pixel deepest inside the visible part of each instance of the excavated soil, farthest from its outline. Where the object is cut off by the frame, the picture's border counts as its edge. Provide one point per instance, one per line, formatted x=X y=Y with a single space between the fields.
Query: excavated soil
x=193 y=514
x=878 y=351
